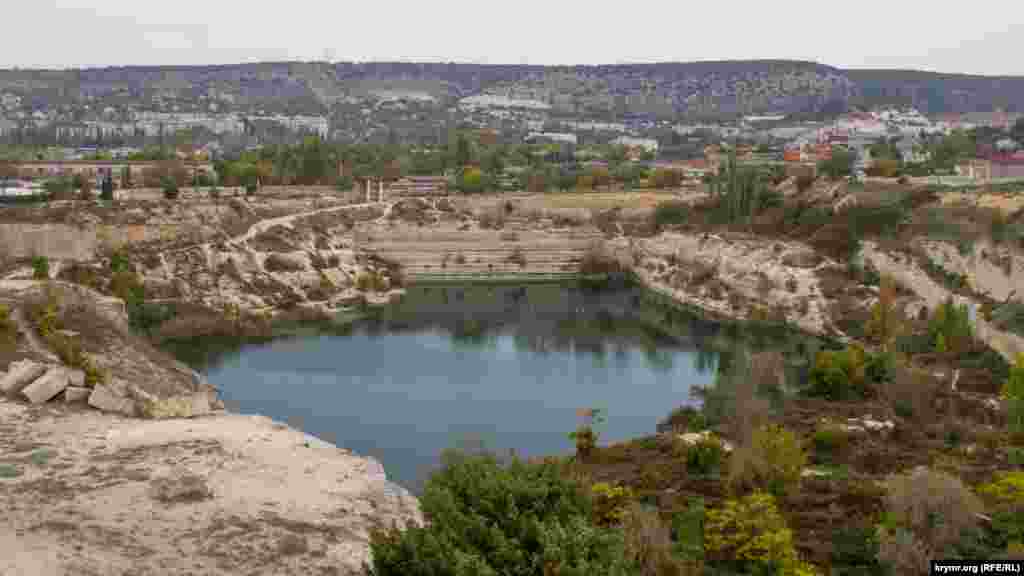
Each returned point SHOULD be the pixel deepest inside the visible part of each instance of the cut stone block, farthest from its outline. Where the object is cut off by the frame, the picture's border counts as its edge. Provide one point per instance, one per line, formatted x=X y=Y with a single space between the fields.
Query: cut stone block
x=47 y=386
x=76 y=378
x=19 y=375
x=76 y=394
x=105 y=399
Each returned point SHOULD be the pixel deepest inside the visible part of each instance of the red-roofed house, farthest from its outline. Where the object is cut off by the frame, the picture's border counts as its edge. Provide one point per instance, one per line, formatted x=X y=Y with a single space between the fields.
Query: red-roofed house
x=1007 y=165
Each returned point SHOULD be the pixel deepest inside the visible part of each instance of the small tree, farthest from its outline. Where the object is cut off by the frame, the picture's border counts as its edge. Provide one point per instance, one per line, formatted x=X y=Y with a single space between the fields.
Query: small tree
x=886 y=322
x=107 y=190
x=838 y=166
x=1013 y=392
x=85 y=188
x=170 y=187
x=40 y=267
x=585 y=436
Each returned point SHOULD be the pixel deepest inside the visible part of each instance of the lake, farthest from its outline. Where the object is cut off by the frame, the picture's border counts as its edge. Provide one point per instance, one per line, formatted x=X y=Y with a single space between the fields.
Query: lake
x=502 y=367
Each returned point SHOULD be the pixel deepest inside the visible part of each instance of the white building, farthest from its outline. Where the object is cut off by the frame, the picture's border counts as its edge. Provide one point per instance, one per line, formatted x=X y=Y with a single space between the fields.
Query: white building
x=552 y=137
x=648 y=144
x=493 y=101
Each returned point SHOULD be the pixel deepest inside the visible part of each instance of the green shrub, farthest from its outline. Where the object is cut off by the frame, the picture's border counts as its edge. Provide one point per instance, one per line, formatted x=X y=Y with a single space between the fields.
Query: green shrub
x=671 y=212
x=750 y=536
x=704 y=457
x=585 y=436
x=830 y=442
x=936 y=510
x=8 y=328
x=949 y=328
x=40 y=267
x=688 y=531
x=855 y=553
x=847 y=374
x=1009 y=317
x=488 y=518
x=610 y=503
x=648 y=544
x=170 y=190
x=1007 y=488
x=9 y=471
x=684 y=419
x=772 y=461
x=1013 y=392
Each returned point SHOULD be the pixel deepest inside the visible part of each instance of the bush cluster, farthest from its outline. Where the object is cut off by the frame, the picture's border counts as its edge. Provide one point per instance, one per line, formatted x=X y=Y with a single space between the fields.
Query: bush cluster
x=668 y=213
x=705 y=457
x=830 y=442
x=949 y=328
x=848 y=374
x=40 y=267
x=750 y=536
x=8 y=328
x=1013 y=392
x=488 y=518
x=773 y=461
x=45 y=315
x=928 y=515
x=610 y=503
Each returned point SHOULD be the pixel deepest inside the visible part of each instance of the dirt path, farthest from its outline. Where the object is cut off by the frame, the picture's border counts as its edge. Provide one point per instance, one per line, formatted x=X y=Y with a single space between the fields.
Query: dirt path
x=86 y=493
x=910 y=275
x=30 y=335
x=264 y=225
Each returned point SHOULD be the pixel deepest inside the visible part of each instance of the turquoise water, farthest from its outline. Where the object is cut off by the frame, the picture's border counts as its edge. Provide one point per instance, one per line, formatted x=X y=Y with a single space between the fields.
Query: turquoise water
x=502 y=367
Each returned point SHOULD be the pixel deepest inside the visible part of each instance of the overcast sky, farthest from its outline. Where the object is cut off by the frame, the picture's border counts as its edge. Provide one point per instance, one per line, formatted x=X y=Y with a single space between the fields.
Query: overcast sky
x=978 y=37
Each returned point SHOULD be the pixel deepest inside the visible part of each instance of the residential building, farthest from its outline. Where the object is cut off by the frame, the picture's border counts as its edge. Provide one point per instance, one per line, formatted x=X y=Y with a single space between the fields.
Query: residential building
x=648 y=144
x=95 y=169
x=419 y=186
x=1007 y=166
x=559 y=137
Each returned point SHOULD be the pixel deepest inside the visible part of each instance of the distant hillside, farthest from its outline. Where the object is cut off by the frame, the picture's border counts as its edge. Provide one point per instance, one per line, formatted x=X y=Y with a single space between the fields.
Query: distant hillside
x=666 y=90
x=935 y=93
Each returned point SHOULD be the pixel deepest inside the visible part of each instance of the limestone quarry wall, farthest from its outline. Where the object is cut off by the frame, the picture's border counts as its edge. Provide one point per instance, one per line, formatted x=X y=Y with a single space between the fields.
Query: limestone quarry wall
x=66 y=242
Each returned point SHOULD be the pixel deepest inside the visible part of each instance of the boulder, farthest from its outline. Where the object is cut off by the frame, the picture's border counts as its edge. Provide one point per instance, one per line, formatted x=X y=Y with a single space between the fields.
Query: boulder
x=19 y=375
x=76 y=395
x=694 y=438
x=105 y=399
x=76 y=378
x=47 y=386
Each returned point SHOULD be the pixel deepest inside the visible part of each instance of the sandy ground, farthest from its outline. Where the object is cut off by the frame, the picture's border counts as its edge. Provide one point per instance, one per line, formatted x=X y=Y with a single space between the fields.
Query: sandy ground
x=86 y=493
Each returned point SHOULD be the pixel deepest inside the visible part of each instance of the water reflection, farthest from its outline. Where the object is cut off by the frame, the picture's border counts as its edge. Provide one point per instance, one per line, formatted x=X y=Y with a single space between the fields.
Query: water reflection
x=507 y=365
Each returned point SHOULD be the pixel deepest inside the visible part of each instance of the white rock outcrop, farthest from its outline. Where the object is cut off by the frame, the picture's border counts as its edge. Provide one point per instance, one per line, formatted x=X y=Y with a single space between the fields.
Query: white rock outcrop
x=47 y=386
x=19 y=375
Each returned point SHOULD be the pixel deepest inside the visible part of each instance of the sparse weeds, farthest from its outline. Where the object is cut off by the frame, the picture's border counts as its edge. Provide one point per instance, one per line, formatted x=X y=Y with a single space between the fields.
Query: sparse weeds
x=278 y=263
x=585 y=436
x=610 y=503
x=705 y=456
x=40 y=267
x=831 y=442
x=8 y=328
x=750 y=536
x=927 y=510
x=9 y=471
x=773 y=460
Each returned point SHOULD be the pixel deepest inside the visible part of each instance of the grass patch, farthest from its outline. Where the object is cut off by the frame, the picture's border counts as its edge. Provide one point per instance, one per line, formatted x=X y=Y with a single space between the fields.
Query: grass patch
x=9 y=471
x=1010 y=317
x=8 y=328
x=41 y=457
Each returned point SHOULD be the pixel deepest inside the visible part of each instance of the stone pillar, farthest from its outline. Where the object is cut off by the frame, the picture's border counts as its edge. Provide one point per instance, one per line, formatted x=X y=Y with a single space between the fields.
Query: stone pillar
x=380 y=190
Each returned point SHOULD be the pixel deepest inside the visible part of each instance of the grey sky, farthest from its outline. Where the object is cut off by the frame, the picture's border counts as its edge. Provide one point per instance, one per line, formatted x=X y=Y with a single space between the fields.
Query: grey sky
x=867 y=33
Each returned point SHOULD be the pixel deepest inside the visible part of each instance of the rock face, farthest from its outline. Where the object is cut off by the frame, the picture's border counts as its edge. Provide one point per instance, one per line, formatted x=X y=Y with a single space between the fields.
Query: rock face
x=105 y=399
x=48 y=385
x=76 y=395
x=224 y=494
x=19 y=375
